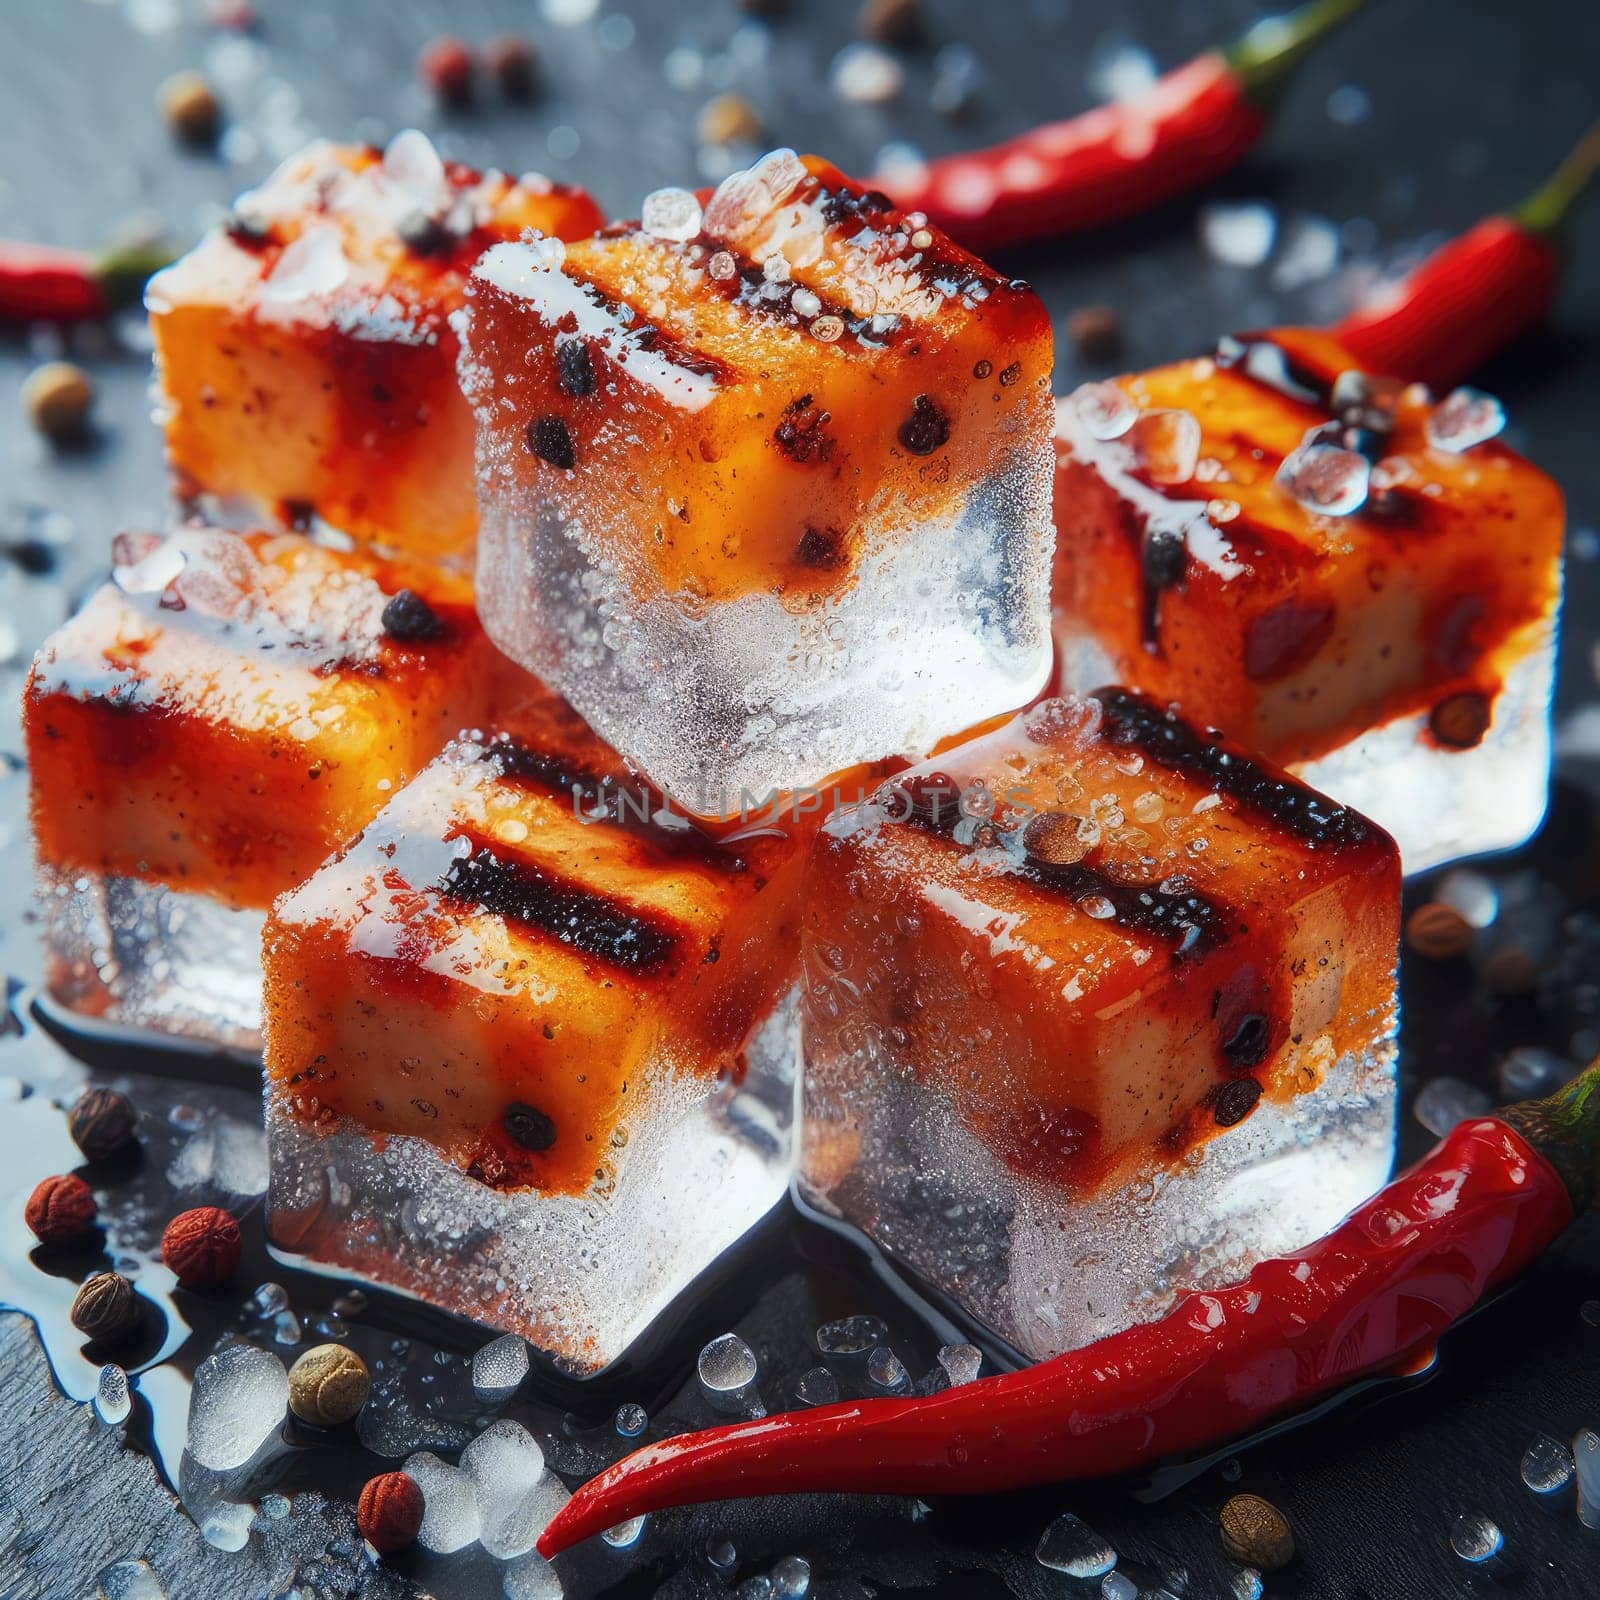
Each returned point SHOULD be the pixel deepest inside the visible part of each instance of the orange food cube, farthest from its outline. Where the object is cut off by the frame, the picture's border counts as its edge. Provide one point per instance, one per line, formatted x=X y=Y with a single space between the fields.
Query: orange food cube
x=305 y=354
x=1358 y=582
x=219 y=717
x=537 y=1004
x=1095 y=1005
x=735 y=459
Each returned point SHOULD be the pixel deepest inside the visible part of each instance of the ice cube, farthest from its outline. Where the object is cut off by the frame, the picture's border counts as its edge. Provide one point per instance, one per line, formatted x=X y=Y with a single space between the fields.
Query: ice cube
x=961 y=1363
x=499 y=1367
x=112 y=1400
x=851 y=1336
x=268 y=1299
x=1252 y=595
x=532 y=1578
x=196 y=751
x=1071 y=1122
x=236 y=1405
x=450 y=1519
x=886 y=1370
x=1071 y=1546
x=323 y=304
x=1118 y=1586
x=505 y=1463
x=1464 y=418
x=777 y=539
x=566 y=1036
x=670 y=214
x=816 y=1387
x=520 y=1524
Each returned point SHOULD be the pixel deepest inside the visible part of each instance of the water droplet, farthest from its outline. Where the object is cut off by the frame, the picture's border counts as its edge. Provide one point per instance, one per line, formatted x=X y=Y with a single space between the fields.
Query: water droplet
x=790 y=1578
x=818 y=1387
x=885 y=1368
x=632 y=1420
x=624 y=1534
x=112 y=1400
x=1475 y=1538
x=851 y=1336
x=1547 y=1465
x=727 y=1367
x=1167 y=444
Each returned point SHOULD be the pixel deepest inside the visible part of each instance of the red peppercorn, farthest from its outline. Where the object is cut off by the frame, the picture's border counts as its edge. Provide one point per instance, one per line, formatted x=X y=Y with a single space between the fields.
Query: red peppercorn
x=61 y=1209
x=446 y=67
x=389 y=1512
x=201 y=1247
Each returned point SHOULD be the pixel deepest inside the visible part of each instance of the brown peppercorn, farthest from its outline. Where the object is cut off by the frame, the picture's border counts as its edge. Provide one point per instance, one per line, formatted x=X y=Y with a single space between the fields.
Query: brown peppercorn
x=106 y=1307
x=445 y=66
x=61 y=1209
x=201 y=1247
x=102 y=1123
x=1438 y=932
x=514 y=64
x=896 y=22
x=189 y=107
x=1460 y=721
x=1256 y=1533
x=1510 y=970
x=1055 y=837
x=389 y=1512
x=328 y=1385
x=729 y=119
x=56 y=399
x=1096 y=333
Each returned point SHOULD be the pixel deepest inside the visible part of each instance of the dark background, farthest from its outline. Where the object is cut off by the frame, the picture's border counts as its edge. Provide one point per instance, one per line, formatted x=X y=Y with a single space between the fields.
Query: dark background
x=1412 y=123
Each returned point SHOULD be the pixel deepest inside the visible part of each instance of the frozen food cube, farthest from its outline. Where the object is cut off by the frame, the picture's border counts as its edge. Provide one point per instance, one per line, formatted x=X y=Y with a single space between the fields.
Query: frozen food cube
x=1096 y=1009
x=783 y=465
x=530 y=1040
x=306 y=362
x=1355 y=580
x=218 y=718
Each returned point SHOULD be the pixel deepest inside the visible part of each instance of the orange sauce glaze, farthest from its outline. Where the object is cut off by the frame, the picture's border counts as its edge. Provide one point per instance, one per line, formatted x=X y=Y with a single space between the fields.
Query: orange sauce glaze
x=344 y=403
x=1151 y=931
x=223 y=732
x=1316 y=628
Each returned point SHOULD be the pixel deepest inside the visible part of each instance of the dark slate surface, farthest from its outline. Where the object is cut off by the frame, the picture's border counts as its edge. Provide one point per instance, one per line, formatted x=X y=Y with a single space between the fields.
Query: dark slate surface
x=1419 y=119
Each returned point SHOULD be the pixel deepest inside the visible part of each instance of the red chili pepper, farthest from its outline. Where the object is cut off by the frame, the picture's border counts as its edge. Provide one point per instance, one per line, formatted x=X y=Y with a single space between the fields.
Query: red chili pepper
x=1477 y=293
x=1383 y=1285
x=1117 y=160
x=40 y=283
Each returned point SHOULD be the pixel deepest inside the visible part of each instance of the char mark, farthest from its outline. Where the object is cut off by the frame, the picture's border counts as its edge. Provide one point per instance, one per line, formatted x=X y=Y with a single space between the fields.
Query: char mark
x=1137 y=723
x=642 y=334
x=528 y=895
x=1188 y=922
x=603 y=800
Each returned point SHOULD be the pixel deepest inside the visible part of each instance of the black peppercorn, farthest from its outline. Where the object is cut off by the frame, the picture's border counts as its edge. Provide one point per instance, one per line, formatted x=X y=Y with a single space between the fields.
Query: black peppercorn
x=106 y=1307
x=409 y=618
x=575 y=368
x=1235 y=1101
x=926 y=429
x=528 y=1127
x=549 y=439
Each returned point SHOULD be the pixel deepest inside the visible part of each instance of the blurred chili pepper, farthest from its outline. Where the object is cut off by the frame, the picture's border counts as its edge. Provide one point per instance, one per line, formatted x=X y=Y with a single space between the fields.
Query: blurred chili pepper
x=1120 y=159
x=1380 y=1287
x=41 y=283
x=1477 y=293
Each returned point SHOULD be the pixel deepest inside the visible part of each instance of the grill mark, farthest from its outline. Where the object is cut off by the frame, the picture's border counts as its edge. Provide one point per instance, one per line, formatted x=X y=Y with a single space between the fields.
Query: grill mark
x=1190 y=924
x=546 y=903
x=1260 y=359
x=1134 y=722
x=643 y=334
x=745 y=289
x=605 y=802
